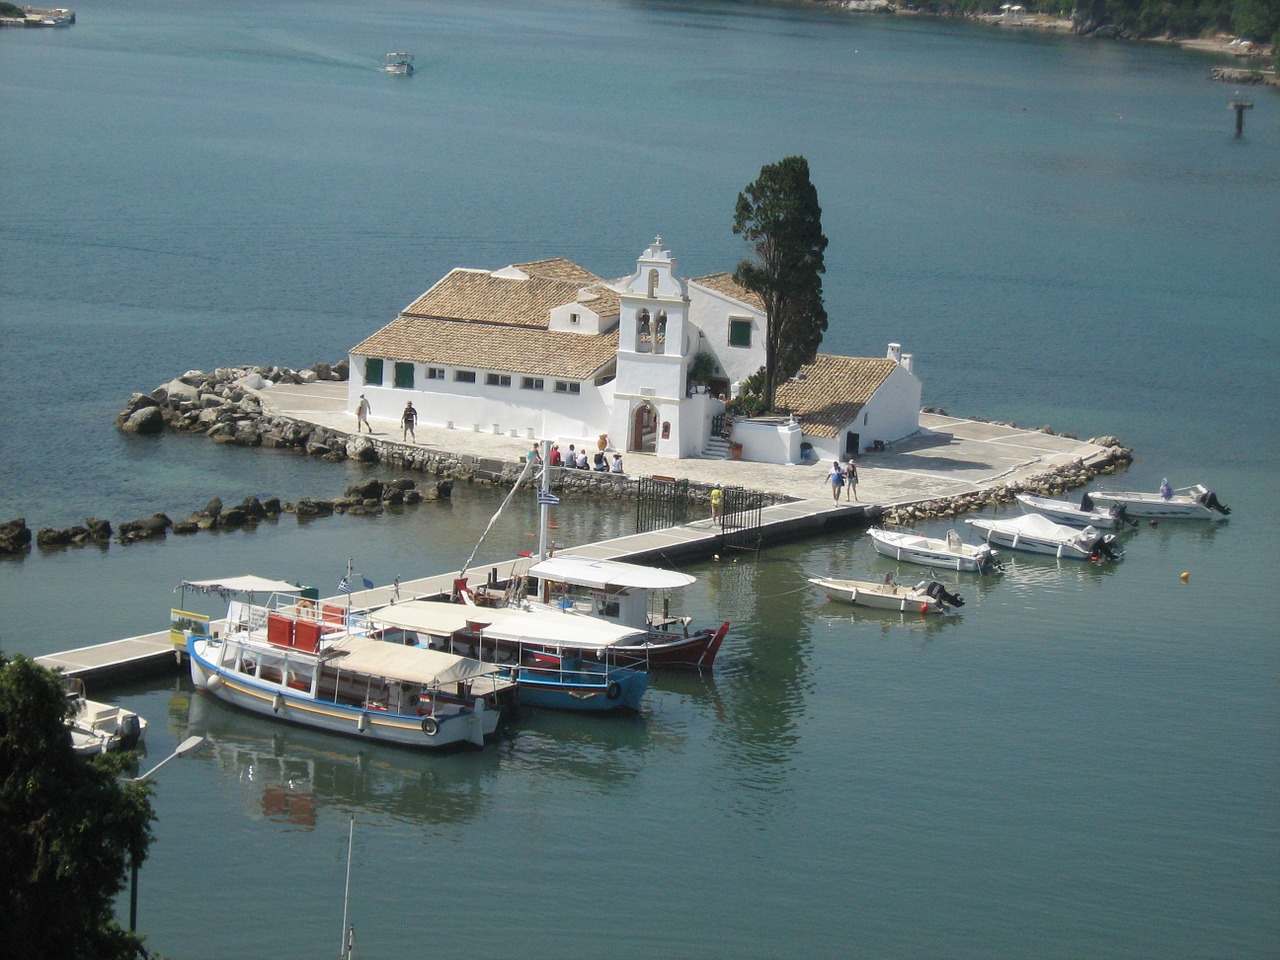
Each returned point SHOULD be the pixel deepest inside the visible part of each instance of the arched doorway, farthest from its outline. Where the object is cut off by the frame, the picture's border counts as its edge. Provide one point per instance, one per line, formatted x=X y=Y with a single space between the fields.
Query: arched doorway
x=644 y=429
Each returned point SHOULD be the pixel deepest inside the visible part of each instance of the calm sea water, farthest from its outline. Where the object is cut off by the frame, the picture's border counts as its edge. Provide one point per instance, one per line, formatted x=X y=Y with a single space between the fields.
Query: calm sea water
x=1085 y=763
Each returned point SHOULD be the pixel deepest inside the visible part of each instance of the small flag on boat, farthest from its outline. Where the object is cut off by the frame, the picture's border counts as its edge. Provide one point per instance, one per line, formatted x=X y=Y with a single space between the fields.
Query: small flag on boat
x=344 y=585
x=368 y=584
x=547 y=499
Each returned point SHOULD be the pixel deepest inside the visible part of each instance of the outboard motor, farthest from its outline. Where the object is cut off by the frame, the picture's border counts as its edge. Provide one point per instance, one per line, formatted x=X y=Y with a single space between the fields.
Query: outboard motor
x=1120 y=513
x=1210 y=500
x=939 y=593
x=129 y=731
x=989 y=559
x=1106 y=547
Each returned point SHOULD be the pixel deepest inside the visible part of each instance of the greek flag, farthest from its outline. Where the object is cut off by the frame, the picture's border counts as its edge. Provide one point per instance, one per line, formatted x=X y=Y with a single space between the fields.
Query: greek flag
x=547 y=499
x=344 y=585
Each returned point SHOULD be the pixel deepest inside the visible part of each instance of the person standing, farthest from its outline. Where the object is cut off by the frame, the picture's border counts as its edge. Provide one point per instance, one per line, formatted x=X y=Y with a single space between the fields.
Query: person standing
x=717 y=505
x=362 y=414
x=408 y=420
x=836 y=478
x=850 y=480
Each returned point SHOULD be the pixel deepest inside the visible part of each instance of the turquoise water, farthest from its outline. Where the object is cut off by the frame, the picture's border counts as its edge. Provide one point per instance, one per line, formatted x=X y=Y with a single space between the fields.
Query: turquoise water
x=1085 y=763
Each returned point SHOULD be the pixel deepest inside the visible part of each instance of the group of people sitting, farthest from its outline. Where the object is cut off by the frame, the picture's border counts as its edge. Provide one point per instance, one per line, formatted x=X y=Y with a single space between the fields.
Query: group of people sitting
x=578 y=460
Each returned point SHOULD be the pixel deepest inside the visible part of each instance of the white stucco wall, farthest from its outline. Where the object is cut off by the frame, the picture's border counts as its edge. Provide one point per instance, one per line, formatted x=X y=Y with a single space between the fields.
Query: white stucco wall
x=711 y=312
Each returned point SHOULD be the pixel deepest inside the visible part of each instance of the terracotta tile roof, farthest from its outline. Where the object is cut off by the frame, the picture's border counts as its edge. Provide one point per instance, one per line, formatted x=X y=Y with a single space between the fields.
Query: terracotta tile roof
x=558 y=268
x=490 y=346
x=831 y=391
x=725 y=284
x=478 y=295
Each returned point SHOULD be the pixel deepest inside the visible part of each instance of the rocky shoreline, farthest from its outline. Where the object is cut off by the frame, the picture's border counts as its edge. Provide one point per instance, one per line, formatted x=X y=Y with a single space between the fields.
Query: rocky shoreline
x=224 y=406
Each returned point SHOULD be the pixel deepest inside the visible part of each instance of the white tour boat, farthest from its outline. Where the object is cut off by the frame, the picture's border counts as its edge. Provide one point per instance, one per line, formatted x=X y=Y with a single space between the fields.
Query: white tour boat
x=295 y=661
x=927 y=596
x=1084 y=515
x=1036 y=533
x=950 y=552
x=1186 y=503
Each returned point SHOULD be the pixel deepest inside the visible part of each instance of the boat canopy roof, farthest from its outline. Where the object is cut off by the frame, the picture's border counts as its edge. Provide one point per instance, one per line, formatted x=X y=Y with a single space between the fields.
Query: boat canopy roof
x=1029 y=525
x=601 y=574
x=378 y=658
x=512 y=624
x=242 y=584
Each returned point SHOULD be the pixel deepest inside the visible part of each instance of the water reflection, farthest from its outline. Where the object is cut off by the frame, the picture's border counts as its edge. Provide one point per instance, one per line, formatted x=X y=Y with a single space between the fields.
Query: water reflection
x=595 y=749
x=290 y=774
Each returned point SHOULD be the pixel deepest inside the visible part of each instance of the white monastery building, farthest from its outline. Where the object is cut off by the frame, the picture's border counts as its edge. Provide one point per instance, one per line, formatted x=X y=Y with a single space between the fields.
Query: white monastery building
x=548 y=350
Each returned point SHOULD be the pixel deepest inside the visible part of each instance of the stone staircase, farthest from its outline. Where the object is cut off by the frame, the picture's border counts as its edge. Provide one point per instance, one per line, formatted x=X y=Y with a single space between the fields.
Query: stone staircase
x=716 y=448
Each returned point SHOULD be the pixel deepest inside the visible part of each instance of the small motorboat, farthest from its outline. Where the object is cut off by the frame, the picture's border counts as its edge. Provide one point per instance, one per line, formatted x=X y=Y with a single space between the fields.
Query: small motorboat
x=100 y=727
x=399 y=64
x=1087 y=514
x=927 y=596
x=950 y=552
x=1036 y=533
x=1186 y=503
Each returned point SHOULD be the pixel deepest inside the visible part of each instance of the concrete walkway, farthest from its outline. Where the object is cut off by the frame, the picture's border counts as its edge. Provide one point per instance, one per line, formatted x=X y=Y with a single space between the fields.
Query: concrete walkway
x=949 y=457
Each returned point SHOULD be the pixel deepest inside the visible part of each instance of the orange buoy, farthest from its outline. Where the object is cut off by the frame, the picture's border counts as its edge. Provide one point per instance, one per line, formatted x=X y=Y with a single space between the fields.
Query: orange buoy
x=1184 y=576
x=924 y=608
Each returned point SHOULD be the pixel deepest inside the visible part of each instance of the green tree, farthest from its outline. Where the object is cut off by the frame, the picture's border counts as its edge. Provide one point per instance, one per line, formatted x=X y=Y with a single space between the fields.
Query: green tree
x=68 y=826
x=779 y=217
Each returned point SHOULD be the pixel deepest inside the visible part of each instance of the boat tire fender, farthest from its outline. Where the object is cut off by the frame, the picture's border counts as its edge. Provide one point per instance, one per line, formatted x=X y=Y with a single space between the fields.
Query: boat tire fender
x=430 y=726
x=614 y=690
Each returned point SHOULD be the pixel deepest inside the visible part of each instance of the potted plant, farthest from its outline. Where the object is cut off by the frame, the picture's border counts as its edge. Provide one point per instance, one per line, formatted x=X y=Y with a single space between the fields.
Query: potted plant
x=735 y=450
x=702 y=368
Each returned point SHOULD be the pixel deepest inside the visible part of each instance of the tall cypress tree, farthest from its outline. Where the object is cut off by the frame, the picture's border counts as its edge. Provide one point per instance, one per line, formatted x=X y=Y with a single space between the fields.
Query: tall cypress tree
x=779 y=217
x=68 y=827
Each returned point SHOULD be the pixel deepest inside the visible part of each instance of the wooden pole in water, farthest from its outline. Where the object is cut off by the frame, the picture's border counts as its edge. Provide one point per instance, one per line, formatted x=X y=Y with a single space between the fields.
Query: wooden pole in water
x=1239 y=106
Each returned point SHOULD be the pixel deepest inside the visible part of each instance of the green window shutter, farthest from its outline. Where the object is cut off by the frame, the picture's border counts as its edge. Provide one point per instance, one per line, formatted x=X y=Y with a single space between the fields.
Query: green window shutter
x=739 y=333
x=373 y=372
x=404 y=376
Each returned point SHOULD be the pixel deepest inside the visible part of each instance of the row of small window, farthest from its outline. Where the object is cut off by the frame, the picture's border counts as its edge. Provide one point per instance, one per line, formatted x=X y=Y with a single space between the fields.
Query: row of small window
x=403 y=377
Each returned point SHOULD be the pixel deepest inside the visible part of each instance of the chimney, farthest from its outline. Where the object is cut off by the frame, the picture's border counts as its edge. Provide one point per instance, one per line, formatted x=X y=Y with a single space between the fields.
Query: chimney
x=895 y=352
x=907 y=362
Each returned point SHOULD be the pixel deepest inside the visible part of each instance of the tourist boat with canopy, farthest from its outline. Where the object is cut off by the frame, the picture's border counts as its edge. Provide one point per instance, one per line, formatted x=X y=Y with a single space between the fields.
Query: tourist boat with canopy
x=1185 y=503
x=1036 y=533
x=296 y=661
x=948 y=552
x=928 y=596
x=399 y=64
x=627 y=595
x=100 y=727
x=558 y=662
x=1087 y=514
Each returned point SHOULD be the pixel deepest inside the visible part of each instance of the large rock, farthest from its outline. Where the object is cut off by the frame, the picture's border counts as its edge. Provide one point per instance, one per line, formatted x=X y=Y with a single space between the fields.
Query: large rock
x=153 y=527
x=14 y=536
x=179 y=389
x=148 y=421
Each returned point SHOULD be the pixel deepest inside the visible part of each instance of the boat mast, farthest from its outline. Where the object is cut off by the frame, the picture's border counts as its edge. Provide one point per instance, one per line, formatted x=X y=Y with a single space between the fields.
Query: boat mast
x=528 y=465
x=542 y=501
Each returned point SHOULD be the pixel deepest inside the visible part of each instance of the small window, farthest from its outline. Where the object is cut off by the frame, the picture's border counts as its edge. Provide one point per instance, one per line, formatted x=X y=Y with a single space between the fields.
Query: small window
x=373 y=371
x=435 y=373
x=565 y=386
x=530 y=383
x=404 y=376
x=573 y=318
x=464 y=376
x=739 y=333
x=498 y=379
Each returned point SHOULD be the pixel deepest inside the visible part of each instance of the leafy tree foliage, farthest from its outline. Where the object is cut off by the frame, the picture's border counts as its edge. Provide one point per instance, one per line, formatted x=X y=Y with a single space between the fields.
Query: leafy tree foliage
x=779 y=217
x=68 y=826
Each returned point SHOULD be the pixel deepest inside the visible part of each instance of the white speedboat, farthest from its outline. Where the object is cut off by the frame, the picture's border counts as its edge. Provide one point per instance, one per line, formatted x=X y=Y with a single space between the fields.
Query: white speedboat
x=1084 y=515
x=399 y=64
x=101 y=727
x=1036 y=533
x=927 y=596
x=1187 y=503
x=950 y=552
x=291 y=660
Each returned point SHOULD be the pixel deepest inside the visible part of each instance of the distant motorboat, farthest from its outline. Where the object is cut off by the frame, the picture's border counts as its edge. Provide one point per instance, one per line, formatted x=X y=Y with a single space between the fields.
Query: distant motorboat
x=1036 y=533
x=950 y=552
x=927 y=596
x=1186 y=503
x=399 y=64
x=1085 y=515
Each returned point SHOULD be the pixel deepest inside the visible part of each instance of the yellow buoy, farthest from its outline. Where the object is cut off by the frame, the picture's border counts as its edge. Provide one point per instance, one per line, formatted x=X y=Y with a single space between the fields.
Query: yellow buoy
x=1184 y=576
